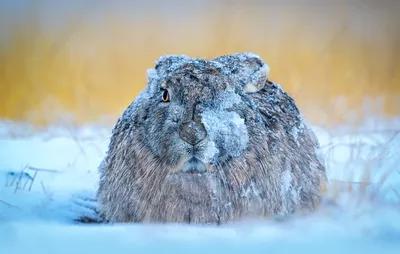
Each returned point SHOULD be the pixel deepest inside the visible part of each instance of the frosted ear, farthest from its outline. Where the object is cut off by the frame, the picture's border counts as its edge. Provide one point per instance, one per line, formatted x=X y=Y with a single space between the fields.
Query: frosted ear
x=163 y=66
x=167 y=64
x=151 y=75
x=257 y=80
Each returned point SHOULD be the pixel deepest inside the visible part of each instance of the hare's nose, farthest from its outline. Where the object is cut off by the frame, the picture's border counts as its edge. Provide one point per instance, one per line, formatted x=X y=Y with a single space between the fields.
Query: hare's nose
x=192 y=132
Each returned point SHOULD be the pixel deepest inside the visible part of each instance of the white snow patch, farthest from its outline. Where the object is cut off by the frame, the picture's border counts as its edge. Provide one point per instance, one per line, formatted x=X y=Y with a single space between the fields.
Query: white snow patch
x=286 y=181
x=226 y=127
x=251 y=189
x=227 y=99
x=295 y=133
x=40 y=220
x=211 y=151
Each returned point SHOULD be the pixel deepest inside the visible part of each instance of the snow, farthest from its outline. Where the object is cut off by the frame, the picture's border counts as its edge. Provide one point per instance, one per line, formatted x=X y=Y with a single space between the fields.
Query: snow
x=295 y=133
x=264 y=238
x=228 y=129
x=211 y=151
x=286 y=181
x=41 y=220
x=225 y=127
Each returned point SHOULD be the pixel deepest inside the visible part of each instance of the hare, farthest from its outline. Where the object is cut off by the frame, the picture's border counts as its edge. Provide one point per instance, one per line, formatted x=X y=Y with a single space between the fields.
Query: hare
x=210 y=142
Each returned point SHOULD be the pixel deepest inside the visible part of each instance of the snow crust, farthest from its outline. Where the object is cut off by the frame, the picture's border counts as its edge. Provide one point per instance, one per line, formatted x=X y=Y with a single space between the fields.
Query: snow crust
x=42 y=220
x=225 y=127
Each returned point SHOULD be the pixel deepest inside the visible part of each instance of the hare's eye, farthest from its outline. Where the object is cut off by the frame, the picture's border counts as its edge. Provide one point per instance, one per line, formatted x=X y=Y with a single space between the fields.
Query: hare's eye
x=165 y=95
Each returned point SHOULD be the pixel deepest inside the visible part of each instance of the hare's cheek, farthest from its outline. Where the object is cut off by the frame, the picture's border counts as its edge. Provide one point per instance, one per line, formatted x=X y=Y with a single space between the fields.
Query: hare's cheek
x=169 y=138
x=174 y=149
x=175 y=114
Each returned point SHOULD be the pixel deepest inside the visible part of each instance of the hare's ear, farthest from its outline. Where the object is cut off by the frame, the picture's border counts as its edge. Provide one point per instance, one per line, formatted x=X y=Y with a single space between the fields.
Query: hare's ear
x=247 y=68
x=167 y=64
x=163 y=67
x=257 y=80
x=152 y=75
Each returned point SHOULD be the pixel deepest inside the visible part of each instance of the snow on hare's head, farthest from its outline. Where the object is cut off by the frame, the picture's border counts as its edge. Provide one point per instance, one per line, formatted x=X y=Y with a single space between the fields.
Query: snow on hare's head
x=209 y=141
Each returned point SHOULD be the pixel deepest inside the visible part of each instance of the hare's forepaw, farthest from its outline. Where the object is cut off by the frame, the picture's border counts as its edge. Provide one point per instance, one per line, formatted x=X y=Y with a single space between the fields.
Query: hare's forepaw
x=85 y=208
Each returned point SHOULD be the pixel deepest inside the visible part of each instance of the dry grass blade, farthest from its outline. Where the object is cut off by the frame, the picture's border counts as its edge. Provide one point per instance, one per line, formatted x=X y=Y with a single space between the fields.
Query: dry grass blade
x=7 y=204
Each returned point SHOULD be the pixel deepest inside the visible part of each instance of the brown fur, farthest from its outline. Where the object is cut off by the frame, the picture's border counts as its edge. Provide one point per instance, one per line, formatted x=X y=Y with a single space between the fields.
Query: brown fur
x=277 y=172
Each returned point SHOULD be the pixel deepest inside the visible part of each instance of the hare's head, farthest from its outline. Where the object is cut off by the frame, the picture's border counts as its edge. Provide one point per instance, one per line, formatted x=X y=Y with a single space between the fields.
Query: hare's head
x=195 y=114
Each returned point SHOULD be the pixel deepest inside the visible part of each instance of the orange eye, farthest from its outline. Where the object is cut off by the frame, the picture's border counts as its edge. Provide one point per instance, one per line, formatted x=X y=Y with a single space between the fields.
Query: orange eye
x=165 y=96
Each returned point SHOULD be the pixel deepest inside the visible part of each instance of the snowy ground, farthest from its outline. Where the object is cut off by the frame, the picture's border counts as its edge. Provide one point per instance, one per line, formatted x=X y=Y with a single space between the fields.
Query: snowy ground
x=37 y=216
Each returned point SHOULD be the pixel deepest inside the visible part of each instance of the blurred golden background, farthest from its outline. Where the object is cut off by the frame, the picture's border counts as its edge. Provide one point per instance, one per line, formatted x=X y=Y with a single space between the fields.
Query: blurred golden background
x=82 y=61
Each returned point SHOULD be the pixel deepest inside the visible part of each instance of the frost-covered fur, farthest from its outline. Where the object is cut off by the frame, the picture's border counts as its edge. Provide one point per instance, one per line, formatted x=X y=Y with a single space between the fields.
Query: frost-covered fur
x=254 y=154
